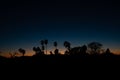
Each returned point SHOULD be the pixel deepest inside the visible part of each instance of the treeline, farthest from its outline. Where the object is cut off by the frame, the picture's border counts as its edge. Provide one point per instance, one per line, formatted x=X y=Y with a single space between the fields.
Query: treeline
x=93 y=48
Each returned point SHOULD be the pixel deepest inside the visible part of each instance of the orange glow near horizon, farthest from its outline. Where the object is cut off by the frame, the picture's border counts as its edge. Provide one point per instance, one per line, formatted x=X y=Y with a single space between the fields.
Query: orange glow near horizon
x=115 y=51
x=28 y=53
x=31 y=53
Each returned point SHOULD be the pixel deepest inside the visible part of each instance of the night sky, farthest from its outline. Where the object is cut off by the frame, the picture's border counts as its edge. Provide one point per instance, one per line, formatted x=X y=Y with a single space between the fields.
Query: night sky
x=24 y=23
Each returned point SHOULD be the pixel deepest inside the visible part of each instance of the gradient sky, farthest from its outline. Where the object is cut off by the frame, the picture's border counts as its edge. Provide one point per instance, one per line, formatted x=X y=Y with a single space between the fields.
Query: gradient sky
x=24 y=23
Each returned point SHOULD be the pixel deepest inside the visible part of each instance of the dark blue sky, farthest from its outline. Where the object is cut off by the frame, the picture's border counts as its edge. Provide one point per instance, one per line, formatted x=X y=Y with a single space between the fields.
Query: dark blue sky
x=25 y=23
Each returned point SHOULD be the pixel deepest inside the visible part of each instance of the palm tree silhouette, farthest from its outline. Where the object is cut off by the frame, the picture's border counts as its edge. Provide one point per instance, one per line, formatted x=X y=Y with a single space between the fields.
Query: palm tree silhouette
x=46 y=42
x=42 y=44
x=55 y=44
x=56 y=52
x=67 y=45
x=22 y=51
x=34 y=49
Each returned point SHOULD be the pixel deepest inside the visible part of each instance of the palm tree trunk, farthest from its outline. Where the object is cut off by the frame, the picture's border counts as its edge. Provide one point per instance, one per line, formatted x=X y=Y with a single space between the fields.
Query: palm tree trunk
x=23 y=55
x=46 y=49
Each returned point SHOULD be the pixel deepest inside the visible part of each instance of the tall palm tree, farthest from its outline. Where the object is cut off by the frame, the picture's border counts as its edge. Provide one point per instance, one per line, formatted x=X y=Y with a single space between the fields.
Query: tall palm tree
x=42 y=42
x=42 y=45
x=55 y=44
x=46 y=42
x=56 y=52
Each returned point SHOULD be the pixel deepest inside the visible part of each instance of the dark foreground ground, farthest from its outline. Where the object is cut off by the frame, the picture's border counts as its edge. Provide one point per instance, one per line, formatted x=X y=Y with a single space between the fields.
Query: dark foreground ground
x=64 y=65
x=67 y=60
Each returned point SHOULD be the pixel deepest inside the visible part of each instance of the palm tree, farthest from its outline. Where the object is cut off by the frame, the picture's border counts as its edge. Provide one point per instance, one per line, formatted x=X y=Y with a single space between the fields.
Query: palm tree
x=42 y=45
x=43 y=48
x=55 y=44
x=42 y=42
x=37 y=51
x=34 y=49
x=67 y=45
x=46 y=42
x=56 y=52
x=22 y=51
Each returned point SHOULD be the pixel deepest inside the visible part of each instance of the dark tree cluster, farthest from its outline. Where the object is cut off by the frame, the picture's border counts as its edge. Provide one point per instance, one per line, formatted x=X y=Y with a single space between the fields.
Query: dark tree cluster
x=91 y=52
x=93 y=48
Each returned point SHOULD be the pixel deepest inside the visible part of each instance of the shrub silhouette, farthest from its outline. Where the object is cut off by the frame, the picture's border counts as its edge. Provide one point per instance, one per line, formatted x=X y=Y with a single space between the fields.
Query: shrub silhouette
x=95 y=47
x=67 y=53
x=22 y=51
x=13 y=55
x=108 y=52
x=56 y=52
x=37 y=51
x=67 y=45
x=83 y=50
x=51 y=53
x=75 y=51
